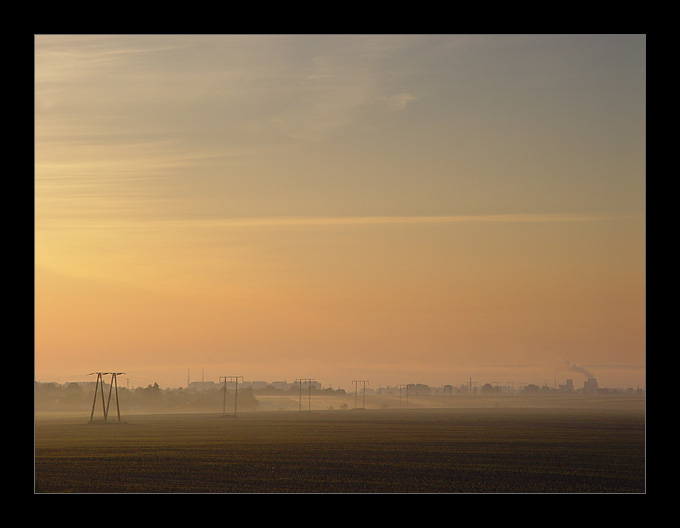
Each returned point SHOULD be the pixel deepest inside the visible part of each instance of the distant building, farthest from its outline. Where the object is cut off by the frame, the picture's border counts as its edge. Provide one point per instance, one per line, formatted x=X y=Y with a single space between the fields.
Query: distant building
x=204 y=385
x=590 y=386
x=567 y=387
x=315 y=385
x=256 y=384
x=419 y=389
x=281 y=385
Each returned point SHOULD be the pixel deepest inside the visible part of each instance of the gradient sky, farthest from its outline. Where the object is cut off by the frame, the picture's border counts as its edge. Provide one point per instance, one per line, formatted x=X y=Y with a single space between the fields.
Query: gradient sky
x=393 y=208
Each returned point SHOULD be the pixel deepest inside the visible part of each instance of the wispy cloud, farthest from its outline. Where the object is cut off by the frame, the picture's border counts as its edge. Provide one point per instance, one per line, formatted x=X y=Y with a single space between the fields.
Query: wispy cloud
x=292 y=221
x=301 y=87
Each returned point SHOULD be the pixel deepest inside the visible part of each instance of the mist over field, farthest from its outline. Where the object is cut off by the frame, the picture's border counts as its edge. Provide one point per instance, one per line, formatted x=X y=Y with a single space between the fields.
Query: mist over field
x=89 y=398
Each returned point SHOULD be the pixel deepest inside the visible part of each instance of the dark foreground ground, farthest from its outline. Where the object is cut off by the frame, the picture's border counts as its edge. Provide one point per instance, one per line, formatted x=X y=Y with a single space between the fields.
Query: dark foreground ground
x=461 y=450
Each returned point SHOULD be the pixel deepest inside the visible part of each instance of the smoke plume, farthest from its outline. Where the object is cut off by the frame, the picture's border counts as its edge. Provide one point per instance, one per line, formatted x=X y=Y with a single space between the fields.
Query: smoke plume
x=575 y=368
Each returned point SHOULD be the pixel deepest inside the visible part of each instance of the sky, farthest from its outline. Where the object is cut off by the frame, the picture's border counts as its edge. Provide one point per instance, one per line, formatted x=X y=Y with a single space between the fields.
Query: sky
x=392 y=208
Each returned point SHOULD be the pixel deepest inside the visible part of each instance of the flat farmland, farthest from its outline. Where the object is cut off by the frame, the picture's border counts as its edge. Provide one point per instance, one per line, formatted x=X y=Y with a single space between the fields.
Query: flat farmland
x=454 y=450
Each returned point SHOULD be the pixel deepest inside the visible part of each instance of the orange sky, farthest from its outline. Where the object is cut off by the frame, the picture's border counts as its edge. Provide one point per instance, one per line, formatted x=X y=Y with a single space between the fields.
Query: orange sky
x=401 y=209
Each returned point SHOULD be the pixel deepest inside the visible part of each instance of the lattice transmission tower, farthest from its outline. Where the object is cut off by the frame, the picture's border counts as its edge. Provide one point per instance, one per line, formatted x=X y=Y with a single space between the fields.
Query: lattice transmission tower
x=100 y=385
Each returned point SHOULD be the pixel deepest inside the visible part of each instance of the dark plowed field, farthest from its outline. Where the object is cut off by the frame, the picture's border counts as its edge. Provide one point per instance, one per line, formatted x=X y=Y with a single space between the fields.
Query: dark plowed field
x=357 y=451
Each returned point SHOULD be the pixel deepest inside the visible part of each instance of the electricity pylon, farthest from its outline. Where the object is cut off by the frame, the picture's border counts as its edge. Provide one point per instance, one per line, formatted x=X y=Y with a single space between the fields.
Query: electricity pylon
x=448 y=389
x=230 y=378
x=100 y=383
x=309 y=383
x=356 y=392
x=400 y=386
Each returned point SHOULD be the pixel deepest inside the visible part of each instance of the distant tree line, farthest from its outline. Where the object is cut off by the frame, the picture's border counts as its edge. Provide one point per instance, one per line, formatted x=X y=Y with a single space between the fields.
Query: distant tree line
x=78 y=396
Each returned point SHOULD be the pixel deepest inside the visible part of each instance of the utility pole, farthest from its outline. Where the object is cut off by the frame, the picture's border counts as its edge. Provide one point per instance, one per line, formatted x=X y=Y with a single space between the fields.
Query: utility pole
x=400 y=387
x=309 y=384
x=448 y=389
x=224 y=404
x=471 y=384
x=99 y=384
x=356 y=391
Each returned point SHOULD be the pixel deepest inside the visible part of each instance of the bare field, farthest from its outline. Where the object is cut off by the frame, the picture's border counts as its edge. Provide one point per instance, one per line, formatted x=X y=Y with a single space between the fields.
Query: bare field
x=464 y=449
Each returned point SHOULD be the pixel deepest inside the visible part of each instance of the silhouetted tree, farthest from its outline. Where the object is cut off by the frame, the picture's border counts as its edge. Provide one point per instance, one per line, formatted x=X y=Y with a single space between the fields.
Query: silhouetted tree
x=532 y=389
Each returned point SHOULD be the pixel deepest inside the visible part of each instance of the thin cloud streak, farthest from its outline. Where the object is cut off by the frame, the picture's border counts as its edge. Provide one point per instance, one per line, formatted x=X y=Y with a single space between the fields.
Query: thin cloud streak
x=328 y=221
x=283 y=221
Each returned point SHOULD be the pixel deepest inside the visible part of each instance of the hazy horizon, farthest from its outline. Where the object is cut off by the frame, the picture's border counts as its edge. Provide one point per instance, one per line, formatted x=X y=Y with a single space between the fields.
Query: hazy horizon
x=394 y=208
